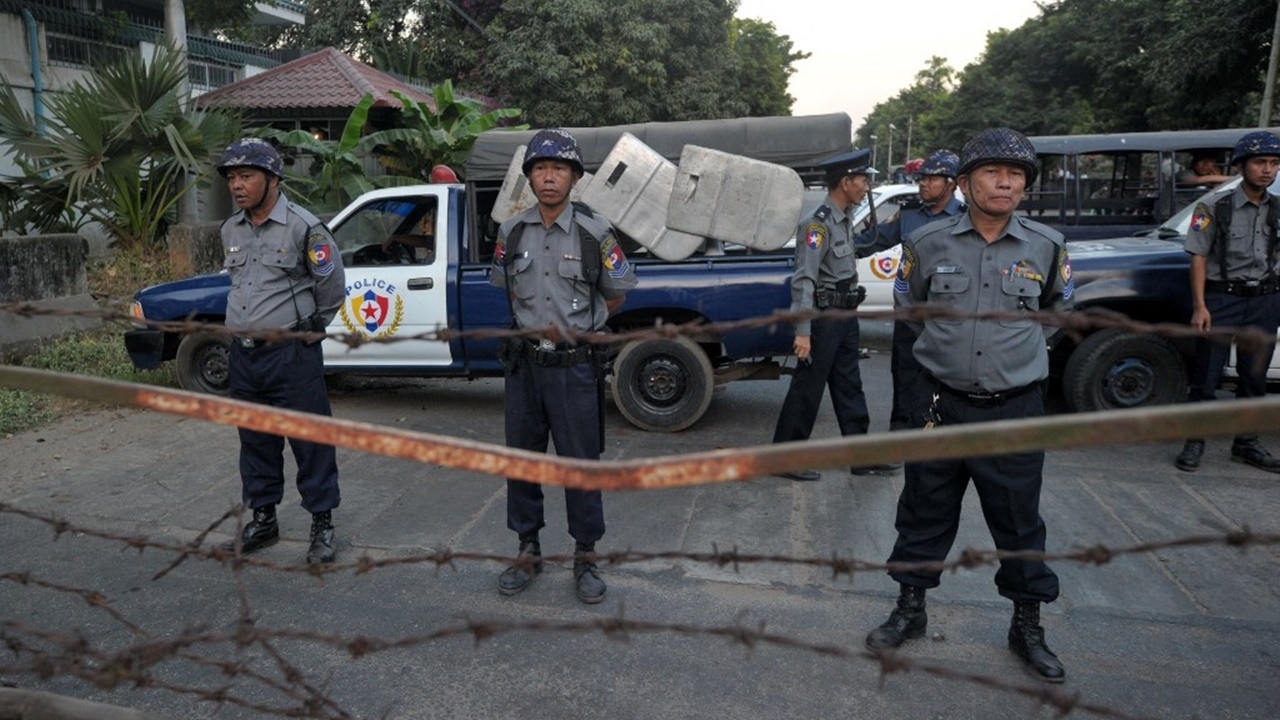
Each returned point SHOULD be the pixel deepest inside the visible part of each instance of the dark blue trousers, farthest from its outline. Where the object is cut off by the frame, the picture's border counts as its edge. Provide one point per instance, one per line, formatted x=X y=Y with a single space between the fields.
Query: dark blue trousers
x=563 y=405
x=912 y=390
x=284 y=375
x=1008 y=488
x=1261 y=313
x=833 y=364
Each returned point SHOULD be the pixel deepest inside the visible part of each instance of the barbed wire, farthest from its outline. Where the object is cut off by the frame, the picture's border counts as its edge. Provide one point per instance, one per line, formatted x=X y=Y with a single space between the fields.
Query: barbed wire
x=1073 y=323
x=966 y=559
x=135 y=665
x=43 y=654
x=1111 y=427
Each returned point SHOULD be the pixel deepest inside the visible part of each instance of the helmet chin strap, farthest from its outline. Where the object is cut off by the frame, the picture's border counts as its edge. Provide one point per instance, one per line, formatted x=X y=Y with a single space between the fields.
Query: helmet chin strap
x=253 y=211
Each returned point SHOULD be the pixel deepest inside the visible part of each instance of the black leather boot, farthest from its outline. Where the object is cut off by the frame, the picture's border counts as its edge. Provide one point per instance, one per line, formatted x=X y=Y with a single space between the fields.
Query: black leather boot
x=908 y=620
x=1189 y=459
x=1026 y=640
x=590 y=587
x=529 y=563
x=321 y=550
x=1246 y=449
x=261 y=532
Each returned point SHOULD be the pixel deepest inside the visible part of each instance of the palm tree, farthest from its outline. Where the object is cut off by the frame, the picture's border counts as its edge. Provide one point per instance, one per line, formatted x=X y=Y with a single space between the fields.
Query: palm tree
x=118 y=149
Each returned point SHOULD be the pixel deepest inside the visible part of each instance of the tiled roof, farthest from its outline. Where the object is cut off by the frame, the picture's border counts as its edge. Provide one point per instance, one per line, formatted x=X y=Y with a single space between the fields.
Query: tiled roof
x=323 y=79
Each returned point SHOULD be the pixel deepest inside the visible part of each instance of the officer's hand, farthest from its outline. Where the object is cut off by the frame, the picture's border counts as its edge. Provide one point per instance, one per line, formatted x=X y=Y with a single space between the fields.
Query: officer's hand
x=1200 y=319
x=802 y=347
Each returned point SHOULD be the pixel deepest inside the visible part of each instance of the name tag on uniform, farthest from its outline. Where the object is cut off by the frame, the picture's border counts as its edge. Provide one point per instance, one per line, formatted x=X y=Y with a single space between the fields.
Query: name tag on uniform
x=948 y=270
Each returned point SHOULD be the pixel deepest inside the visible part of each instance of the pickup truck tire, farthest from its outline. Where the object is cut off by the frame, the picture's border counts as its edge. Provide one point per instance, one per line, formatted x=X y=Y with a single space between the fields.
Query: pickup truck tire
x=204 y=363
x=1116 y=368
x=662 y=385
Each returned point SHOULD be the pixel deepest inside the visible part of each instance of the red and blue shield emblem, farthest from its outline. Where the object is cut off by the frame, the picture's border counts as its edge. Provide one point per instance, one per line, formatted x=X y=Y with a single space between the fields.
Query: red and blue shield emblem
x=370 y=310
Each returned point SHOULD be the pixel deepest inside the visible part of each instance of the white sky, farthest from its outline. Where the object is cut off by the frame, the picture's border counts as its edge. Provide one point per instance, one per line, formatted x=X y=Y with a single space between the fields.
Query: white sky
x=865 y=51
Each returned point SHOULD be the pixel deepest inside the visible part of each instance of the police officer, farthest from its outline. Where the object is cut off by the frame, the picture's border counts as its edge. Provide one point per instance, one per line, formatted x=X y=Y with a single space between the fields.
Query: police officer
x=826 y=278
x=286 y=274
x=937 y=201
x=984 y=260
x=1234 y=283
x=563 y=270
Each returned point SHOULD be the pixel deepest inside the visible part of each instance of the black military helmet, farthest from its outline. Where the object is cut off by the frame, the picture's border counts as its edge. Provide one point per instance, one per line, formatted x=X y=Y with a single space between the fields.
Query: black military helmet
x=553 y=144
x=941 y=162
x=1258 y=143
x=999 y=145
x=251 y=152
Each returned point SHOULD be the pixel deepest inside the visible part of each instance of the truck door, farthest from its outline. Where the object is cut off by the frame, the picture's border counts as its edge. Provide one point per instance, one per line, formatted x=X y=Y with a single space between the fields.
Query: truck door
x=393 y=251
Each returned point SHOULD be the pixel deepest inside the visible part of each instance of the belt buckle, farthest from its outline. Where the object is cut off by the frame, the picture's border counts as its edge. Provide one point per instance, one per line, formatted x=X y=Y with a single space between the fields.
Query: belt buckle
x=1252 y=283
x=245 y=341
x=546 y=345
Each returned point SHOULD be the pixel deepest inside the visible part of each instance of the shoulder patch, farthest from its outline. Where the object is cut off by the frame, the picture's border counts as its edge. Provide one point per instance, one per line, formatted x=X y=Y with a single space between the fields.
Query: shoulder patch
x=318 y=253
x=1202 y=218
x=615 y=261
x=1064 y=270
x=905 y=266
x=814 y=235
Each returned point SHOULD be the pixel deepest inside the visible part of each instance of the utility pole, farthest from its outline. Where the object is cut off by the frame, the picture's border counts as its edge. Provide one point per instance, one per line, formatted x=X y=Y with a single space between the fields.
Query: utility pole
x=889 y=154
x=906 y=157
x=175 y=27
x=1268 y=92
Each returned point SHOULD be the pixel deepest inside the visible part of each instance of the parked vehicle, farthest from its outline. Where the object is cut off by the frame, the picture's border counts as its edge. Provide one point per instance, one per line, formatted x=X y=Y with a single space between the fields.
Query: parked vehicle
x=412 y=289
x=1144 y=278
x=1100 y=186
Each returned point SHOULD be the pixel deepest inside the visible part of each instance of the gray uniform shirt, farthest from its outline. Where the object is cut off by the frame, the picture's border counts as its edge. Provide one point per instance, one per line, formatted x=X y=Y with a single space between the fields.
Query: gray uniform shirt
x=544 y=273
x=282 y=270
x=824 y=256
x=1247 y=244
x=950 y=266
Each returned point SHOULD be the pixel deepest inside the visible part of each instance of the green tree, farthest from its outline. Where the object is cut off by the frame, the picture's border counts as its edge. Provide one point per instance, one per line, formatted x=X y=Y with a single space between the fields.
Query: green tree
x=765 y=64
x=440 y=136
x=335 y=173
x=116 y=148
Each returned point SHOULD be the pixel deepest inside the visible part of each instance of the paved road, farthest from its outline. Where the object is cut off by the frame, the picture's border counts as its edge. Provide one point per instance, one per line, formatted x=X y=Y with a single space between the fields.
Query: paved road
x=1190 y=633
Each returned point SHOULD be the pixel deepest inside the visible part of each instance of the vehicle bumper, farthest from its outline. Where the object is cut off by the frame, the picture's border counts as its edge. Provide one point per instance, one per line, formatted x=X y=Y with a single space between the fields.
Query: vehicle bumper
x=145 y=348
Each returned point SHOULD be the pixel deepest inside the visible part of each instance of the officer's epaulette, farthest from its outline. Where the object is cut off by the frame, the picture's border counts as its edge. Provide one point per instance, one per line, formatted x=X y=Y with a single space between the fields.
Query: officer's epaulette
x=823 y=212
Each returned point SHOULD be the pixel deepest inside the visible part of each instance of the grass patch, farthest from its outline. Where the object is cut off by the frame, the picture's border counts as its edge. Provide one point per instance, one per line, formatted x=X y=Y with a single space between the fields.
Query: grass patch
x=128 y=271
x=99 y=353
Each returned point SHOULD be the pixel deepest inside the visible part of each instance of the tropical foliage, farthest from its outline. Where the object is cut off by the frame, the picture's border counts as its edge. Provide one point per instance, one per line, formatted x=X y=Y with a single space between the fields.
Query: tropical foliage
x=334 y=169
x=442 y=135
x=1094 y=66
x=569 y=62
x=117 y=149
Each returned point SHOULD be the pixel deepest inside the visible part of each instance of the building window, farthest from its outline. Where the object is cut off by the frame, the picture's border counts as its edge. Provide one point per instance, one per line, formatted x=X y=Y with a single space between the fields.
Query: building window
x=207 y=75
x=81 y=53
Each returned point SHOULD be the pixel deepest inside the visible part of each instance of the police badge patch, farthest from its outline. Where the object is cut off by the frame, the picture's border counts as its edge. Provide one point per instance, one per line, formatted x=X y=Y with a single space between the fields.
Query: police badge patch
x=319 y=255
x=615 y=261
x=1064 y=270
x=814 y=235
x=905 y=266
x=1201 y=220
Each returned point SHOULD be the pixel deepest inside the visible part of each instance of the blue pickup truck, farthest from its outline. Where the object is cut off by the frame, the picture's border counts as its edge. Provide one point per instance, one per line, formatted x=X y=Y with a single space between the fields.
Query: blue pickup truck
x=405 y=289
x=406 y=280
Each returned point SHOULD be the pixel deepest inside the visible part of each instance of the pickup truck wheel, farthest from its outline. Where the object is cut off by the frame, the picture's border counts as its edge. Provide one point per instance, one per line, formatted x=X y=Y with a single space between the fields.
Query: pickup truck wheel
x=662 y=385
x=204 y=363
x=1116 y=368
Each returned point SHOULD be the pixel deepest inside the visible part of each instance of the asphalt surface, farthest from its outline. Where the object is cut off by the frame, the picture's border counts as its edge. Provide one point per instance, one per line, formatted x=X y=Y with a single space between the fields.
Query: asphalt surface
x=1175 y=633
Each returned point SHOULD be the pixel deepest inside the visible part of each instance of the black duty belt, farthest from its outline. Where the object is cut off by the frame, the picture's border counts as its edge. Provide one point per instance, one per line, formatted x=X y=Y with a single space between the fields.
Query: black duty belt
x=1244 y=288
x=547 y=354
x=839 y=300
x=986 y=399
x=245 y=341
